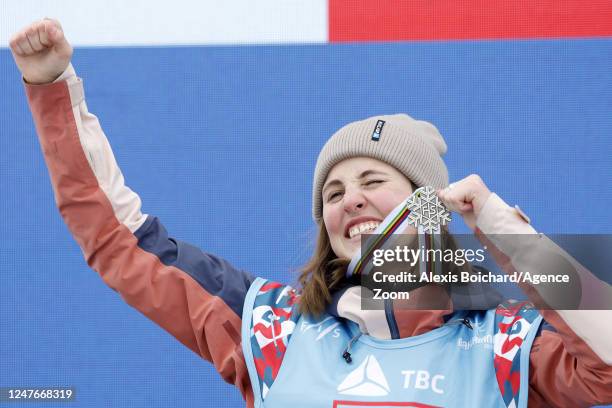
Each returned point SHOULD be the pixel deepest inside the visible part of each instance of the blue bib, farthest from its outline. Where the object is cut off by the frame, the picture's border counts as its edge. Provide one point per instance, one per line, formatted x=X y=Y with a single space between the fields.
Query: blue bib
x=295 y=361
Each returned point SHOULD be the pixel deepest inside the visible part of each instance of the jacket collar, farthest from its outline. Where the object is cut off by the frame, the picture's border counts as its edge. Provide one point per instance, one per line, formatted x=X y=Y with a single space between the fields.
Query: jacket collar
x=391 y=319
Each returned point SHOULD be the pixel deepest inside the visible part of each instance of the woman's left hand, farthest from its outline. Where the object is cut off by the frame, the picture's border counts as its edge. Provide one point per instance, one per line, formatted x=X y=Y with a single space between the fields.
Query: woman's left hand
x=466 y=197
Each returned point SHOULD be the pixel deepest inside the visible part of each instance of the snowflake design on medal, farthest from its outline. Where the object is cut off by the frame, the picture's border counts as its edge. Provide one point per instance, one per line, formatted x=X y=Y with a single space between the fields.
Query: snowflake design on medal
x=426 y=210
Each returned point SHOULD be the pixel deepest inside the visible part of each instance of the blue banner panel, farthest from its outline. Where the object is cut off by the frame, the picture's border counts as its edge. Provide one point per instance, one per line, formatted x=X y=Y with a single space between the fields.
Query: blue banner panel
x=221 y=142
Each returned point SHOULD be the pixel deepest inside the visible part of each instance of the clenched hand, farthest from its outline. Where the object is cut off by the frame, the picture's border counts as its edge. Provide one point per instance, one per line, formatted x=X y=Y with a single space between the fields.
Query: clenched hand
x=41 y=51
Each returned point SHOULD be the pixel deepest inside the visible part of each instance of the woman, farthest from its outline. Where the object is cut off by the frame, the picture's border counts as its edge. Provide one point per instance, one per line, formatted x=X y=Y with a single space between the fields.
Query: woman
x=316 y=347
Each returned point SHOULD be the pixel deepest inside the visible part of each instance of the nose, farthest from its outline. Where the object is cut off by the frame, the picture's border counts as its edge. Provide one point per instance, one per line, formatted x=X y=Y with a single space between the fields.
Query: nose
x=354 y=201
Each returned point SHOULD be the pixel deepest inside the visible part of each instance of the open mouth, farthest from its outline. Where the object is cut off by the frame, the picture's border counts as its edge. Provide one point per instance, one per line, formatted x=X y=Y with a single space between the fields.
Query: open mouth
x=362 y=228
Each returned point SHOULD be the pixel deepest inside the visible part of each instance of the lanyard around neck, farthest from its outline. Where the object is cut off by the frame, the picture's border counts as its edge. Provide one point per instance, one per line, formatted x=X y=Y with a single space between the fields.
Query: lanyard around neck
x=423 y=210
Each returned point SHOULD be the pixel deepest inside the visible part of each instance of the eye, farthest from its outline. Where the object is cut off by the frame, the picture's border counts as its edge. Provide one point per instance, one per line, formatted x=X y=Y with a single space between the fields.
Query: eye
x=333 y=196
x=373 y=182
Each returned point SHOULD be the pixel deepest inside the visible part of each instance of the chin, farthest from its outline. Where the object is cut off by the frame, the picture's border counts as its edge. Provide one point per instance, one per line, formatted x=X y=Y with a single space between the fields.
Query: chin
x=350 y=250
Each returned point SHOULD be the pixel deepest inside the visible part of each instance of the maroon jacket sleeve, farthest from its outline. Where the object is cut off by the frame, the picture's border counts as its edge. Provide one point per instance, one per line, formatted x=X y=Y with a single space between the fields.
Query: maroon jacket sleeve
x=193 y=295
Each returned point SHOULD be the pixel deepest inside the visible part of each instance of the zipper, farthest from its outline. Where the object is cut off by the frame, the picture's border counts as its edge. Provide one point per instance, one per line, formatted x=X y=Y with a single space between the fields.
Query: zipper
x=465 y=321
x=347 y=352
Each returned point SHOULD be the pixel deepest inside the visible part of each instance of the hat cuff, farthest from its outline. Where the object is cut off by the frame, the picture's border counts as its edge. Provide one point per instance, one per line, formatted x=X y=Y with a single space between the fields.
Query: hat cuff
x=400 y=146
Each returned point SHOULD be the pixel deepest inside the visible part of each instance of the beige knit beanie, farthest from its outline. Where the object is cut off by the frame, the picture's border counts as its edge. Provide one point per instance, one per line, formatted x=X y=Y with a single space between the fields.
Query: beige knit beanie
x=414 y=147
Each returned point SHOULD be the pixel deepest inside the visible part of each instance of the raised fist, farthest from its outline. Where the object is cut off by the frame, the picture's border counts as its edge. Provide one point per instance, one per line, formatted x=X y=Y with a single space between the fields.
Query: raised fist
x=466 y=197
x=41 y=51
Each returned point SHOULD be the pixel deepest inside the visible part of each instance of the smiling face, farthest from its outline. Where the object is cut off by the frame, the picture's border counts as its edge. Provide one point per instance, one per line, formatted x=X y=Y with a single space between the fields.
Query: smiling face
x=357 y=195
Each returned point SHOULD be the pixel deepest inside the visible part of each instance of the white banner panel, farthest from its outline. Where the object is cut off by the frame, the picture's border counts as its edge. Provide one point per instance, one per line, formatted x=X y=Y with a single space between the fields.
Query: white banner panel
x=140 y=22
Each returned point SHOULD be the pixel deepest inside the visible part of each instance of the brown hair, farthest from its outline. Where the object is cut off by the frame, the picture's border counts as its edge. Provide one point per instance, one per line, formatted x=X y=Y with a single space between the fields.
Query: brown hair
x=325 y=272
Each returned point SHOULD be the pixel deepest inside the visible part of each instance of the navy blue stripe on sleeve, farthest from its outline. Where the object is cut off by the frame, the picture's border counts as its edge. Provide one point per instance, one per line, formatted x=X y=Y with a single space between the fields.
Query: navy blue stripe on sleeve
x=217 y=276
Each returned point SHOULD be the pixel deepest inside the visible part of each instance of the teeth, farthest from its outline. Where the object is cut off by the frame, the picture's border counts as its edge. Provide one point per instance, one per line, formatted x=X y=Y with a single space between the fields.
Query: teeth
x=363 y=227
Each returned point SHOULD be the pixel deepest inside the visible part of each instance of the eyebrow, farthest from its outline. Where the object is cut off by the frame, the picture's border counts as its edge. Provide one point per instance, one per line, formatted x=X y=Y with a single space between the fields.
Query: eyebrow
x=362 y=175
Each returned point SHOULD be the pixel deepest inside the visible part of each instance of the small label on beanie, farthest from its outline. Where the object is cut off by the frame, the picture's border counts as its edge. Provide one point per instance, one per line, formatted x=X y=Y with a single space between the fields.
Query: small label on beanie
x=378 y=130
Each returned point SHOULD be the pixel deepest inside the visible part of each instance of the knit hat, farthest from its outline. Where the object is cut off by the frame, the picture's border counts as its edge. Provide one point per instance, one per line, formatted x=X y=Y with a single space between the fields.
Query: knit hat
x=414 y=147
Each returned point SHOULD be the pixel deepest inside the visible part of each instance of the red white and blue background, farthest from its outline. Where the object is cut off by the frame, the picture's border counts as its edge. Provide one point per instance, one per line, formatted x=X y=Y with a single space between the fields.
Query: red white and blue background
x=216 y=112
